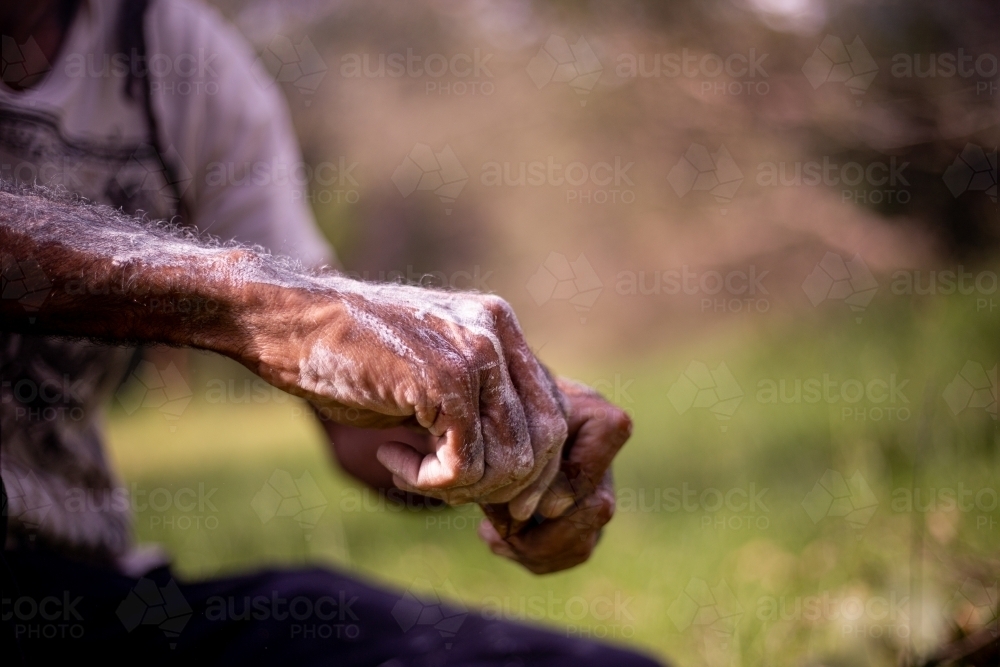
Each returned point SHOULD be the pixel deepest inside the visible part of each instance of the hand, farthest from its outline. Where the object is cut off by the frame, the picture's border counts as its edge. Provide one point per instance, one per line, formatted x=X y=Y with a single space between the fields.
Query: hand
x=581 y=499
x=454 y=364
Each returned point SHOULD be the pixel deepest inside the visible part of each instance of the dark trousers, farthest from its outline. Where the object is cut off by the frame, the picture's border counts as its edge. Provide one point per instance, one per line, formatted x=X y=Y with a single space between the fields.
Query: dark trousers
x=62 y=609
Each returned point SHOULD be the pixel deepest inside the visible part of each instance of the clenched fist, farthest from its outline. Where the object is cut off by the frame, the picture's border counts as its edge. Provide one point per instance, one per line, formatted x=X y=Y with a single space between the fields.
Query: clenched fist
x=454 y=364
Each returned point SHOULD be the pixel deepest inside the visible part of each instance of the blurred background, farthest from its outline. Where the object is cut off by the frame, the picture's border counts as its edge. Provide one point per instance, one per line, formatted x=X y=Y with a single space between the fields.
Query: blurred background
x=766 y=228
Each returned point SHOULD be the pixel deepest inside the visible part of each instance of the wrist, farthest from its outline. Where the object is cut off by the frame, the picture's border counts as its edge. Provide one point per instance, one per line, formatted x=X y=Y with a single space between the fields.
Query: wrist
x=268 y=320
x=214 y=305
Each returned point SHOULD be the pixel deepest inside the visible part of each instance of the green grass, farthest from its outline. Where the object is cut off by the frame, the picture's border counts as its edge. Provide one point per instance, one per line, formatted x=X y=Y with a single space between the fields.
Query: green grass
x=750 y=585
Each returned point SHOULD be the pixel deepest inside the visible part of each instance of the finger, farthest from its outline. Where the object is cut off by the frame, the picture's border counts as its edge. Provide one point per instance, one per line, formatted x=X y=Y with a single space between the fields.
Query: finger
x=554 y=505
x=603 y=430
x=526 y=502
x=558 y=498
x=546 y=422
x=569 y=532
x=552 y=546
x=499 y=516
x=597 y=432
x=457 y=459
x=488 y=534
x=509 y=459
x=558 y=544
x=401 y=460
x=553 y=541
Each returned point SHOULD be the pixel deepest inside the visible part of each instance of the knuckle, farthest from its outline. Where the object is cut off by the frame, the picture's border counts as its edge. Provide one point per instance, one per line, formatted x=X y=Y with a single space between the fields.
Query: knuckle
x=553 y=430
x=459 y=475
x=605 y=514
x=523 y=464
x=605 y=510
x=453 y=369
x=455 y=404
x=469 y=468
x=622 y=422
x=496 y=305
x=452 y=382
x=483 y=354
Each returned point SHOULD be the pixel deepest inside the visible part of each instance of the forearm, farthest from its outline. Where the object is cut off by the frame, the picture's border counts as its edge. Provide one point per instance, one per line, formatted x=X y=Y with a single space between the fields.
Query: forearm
x=105 y=276
x=118 y=278
x=100 y=276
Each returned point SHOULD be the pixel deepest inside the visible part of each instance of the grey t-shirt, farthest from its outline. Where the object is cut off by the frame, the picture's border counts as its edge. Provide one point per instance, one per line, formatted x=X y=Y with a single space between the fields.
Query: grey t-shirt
x=77 y=128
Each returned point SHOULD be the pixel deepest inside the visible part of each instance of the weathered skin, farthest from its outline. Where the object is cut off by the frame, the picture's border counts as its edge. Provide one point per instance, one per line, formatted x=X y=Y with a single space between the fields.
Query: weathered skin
x=454 y=364
x=470 y=415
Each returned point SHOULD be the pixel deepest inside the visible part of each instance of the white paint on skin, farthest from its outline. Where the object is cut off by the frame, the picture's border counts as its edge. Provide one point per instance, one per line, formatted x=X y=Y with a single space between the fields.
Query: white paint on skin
x=328 y=374
x=383 y=331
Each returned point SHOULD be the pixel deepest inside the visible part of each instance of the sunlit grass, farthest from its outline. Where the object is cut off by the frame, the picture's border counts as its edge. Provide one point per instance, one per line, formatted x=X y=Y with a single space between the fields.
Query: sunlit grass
x=779 y=587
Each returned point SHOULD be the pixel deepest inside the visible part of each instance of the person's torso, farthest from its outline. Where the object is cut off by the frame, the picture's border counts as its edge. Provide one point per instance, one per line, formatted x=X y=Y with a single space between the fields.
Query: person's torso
x=77 y=129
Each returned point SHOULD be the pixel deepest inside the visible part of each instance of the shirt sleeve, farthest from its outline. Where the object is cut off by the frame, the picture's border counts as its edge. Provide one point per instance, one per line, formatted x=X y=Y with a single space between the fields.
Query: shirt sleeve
x=239 y=167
